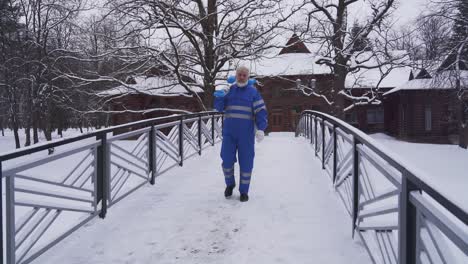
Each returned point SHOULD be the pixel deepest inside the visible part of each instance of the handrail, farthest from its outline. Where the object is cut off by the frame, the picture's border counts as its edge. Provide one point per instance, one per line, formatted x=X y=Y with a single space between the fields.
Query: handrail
x=59 y=142
x=103 y=173
x=355 y=185
x=394 y=160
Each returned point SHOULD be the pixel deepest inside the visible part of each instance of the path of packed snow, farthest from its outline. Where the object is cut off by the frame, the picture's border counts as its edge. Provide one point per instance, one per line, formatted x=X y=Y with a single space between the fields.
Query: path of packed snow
x=293 y=216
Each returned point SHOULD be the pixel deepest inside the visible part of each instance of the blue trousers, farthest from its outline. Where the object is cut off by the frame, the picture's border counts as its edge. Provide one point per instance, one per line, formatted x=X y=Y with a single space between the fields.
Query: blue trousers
x=244 y=146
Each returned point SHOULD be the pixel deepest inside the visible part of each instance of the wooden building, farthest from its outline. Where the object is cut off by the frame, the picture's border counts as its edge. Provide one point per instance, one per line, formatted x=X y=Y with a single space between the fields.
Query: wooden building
x=427 y=108
x=281 y=79
x=295 y=66
x=147 y=96
x=370 y=83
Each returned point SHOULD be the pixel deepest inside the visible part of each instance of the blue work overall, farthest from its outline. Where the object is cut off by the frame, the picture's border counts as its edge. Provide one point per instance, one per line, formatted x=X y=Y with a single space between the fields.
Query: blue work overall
x=245 y=111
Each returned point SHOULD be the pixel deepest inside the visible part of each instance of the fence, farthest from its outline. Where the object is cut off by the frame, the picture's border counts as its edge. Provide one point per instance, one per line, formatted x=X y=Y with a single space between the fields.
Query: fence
x=47 y=197
x=398 y=217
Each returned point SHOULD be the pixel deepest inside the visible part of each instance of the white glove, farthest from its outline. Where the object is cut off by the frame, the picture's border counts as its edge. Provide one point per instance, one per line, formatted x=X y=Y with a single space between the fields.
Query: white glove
x=260 y=135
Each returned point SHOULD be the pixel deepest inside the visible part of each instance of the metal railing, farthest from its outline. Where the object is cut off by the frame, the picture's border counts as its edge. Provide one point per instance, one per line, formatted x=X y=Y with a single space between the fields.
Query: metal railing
x=398 y=217
x=50 y=196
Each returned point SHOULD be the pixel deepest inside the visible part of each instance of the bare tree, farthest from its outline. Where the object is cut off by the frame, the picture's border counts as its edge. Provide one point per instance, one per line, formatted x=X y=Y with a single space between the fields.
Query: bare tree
x=350 y=49
x=455 y=12
x=199 y=38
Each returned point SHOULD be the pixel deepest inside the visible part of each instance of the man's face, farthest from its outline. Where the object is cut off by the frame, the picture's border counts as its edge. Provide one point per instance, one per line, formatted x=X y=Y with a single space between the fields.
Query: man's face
x=242 y=76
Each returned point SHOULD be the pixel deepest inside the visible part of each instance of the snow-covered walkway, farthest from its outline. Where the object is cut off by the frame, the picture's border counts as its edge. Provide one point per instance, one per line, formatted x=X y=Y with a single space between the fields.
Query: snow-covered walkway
x=293 y=216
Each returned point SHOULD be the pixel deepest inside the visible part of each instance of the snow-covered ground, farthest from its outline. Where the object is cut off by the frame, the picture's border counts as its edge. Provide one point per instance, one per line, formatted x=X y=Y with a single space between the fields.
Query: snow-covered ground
x=7 y=142
x=293 y=216
x=445 y=166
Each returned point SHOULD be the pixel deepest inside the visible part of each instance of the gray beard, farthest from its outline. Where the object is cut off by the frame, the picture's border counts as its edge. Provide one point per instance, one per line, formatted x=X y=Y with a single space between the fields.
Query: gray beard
x=239 y=84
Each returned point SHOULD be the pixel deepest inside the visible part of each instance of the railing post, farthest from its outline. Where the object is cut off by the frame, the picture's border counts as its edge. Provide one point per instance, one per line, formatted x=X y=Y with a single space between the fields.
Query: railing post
x=10 y=219
x=335 y=155
x=199 y=135
x=103 y=171
x=310 y=131
x=355 y=183
x=213 y=129
x=407 y=223
x=152 y=154
x=306 y=127
x=298 y=127
x=316 y=139
x=323 y=143
x=181 y=141
x=1 y=215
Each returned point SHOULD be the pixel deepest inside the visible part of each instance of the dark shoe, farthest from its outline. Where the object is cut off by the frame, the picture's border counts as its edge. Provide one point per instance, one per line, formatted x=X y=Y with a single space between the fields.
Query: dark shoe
x=244 y=197
x=228 y=191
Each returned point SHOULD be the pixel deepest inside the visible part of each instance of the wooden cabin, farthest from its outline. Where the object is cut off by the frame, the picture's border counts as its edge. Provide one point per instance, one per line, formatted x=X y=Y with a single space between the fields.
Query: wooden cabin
x=147 y=96
x=428 y=108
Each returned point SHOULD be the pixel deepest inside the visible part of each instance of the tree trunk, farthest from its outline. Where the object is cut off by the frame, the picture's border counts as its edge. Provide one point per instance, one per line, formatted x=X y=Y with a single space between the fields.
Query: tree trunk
x=17 y=140
x=81 y=125
x=35 y=128
x=14 y=124
x=2 y=127
x=208 y=98
x=27 y=132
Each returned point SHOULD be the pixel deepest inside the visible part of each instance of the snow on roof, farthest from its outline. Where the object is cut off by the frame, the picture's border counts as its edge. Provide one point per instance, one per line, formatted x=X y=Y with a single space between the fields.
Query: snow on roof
x=385 y=75
x=286 y=64
x=370 y=78
x=443 y=80
x=154 y=85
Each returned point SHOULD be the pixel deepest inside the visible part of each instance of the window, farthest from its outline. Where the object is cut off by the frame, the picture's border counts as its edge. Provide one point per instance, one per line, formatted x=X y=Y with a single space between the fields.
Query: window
x=351 y=117
x=375 y=116
x=428 y=118
x=276 y=92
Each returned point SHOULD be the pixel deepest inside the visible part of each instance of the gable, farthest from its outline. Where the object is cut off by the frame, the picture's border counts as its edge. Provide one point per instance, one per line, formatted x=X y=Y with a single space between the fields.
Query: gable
x=294 y=45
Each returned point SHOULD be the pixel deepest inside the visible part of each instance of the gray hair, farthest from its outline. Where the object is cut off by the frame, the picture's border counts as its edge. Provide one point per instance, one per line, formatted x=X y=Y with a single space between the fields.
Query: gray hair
x=243 y=69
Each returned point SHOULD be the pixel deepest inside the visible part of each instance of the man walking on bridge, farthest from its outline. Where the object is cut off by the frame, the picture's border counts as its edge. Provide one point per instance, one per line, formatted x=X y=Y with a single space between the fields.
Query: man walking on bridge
x=245 y=120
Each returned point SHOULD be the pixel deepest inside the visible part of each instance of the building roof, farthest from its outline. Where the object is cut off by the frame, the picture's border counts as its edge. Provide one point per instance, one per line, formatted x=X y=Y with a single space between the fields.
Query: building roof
x=294 y=45
x=442 y=81
x=152 y=85
x=287 y=64
x=370 y=78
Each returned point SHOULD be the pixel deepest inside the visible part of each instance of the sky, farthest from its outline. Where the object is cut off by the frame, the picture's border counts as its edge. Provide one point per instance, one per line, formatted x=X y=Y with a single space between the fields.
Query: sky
x=406 y=11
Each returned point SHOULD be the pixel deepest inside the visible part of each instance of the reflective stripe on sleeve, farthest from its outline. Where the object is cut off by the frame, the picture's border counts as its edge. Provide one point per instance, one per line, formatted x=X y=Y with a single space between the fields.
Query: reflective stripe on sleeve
x=259 y=102
x=260 y=108
x=245 y=181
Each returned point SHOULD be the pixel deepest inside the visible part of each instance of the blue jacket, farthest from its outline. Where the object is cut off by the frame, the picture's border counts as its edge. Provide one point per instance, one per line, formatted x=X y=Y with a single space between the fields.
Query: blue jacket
x=244 y=109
